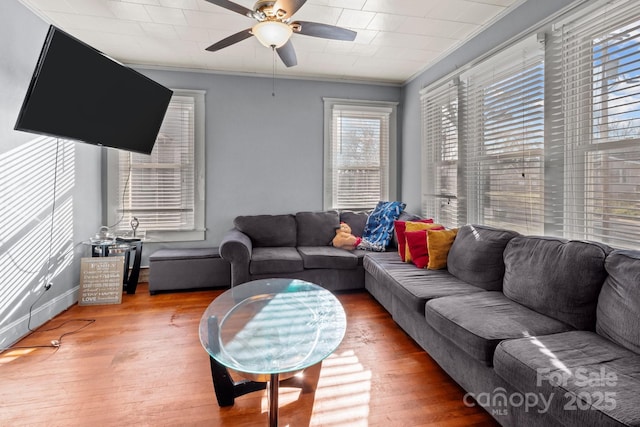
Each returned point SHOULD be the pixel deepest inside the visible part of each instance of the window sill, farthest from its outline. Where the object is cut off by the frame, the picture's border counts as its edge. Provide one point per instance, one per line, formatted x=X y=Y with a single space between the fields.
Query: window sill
x=175 y=236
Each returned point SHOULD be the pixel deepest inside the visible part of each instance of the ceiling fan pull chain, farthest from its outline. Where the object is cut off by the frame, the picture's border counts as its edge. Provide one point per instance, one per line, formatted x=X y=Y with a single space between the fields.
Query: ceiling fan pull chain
x=273 y=82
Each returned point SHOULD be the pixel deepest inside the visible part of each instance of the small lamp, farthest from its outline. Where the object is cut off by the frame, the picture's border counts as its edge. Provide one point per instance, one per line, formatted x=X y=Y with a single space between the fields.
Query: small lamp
x=272 y=33
x=134 y=225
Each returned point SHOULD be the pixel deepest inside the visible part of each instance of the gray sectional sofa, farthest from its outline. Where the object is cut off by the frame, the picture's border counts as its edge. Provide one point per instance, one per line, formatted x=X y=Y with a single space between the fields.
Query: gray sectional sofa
x=540 y=331
x=294 y=246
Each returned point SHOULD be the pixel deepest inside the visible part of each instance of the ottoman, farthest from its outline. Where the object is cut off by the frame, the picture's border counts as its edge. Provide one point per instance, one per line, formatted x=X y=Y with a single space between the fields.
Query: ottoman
x=187 y=268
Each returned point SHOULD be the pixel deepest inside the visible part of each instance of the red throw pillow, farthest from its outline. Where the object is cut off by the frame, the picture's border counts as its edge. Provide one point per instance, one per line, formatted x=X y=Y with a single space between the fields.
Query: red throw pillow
x=399 y=226
x=416 y=241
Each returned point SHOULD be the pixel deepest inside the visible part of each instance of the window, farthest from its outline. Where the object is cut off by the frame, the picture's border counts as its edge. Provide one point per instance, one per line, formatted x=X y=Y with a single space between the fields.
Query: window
x=504 y=139
x=164 y=190
x=359 y=153
x=440 y=148
x=483 y=143
x=548 y=134
x=598 y=62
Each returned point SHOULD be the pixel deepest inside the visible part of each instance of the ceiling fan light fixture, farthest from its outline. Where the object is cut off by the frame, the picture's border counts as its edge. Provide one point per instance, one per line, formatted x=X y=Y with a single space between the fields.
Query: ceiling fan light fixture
x=272 y=33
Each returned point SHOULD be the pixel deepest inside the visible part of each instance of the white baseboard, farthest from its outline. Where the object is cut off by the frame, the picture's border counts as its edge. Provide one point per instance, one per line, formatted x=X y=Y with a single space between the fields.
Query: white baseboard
x=18 y=329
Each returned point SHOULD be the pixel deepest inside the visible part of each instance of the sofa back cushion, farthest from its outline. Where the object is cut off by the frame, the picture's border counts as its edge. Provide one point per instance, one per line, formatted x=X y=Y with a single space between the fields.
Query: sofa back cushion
x=268 y=230
x=556 y=277
x=317 y=228
x=356 y=220
x=619 y=301
x=476 y=255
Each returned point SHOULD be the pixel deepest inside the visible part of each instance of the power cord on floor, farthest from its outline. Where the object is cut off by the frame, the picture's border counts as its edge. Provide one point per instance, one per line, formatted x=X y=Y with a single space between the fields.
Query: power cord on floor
x=55 y=343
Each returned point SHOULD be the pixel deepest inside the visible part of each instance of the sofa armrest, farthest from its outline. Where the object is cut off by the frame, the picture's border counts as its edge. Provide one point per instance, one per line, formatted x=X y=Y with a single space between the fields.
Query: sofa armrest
x=236 y=247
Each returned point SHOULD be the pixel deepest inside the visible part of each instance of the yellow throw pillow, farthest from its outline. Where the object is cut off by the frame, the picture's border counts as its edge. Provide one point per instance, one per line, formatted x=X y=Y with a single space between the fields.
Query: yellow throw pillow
x=417 y=226
x=438 y=244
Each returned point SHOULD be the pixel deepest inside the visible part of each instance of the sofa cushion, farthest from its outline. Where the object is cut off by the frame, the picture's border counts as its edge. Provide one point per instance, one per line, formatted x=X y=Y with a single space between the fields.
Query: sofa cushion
x=317 y=228
x=556 y=277
x=476 y=255
x=356 y=220
x=478 y=322
x=268 y=230
x=618 y=312
x=327 y=257
x=587 y=379
x=275 y=260
x=413 y=286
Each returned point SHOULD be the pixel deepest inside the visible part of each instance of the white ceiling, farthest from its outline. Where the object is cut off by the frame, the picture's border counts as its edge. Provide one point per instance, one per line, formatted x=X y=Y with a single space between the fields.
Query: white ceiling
x=396 y=38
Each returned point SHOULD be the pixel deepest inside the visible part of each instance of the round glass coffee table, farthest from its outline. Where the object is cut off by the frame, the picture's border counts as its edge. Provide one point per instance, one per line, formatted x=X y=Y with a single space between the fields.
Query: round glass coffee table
x=267 y=331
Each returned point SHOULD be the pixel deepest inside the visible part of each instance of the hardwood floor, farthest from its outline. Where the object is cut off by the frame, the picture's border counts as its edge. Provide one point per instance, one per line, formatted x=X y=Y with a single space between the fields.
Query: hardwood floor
x=141 y=363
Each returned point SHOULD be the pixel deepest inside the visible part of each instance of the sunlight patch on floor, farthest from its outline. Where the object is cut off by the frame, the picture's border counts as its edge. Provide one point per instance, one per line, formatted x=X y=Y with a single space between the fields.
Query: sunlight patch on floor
x=11 y=355
x=344 y=392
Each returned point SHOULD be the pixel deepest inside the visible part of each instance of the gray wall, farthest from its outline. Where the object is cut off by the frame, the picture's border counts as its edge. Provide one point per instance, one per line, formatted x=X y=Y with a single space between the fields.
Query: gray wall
x=26 y=193
x=264 y=153
x=528 y=15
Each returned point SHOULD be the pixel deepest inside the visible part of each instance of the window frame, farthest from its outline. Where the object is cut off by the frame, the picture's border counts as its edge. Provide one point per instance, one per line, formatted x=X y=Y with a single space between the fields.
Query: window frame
x=113 y=202
x=503 y=139
x=494 y=91
x=440 y=135
x=360 y=106
x=579 y=217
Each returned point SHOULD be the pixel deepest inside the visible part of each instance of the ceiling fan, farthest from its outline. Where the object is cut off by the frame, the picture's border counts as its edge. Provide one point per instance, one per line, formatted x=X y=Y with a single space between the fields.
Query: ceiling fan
x=274 y=27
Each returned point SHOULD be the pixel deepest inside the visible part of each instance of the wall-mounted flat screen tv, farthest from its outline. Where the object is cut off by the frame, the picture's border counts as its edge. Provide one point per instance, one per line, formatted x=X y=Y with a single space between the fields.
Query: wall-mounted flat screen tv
x=79 y=93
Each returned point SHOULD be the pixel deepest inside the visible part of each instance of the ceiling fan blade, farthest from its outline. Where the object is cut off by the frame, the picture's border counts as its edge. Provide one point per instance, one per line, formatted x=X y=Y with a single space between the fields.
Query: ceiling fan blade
x=288 y=54
x=235 y=7
x=325 y=31
x=233 y=39
x=288 y=6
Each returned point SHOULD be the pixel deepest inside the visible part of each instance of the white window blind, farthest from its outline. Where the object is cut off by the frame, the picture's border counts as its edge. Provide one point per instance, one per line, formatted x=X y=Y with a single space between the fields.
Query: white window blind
x=597 y=62
x=440 y=154
x=164 y=190
x=504 y=139
x=357 y=157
